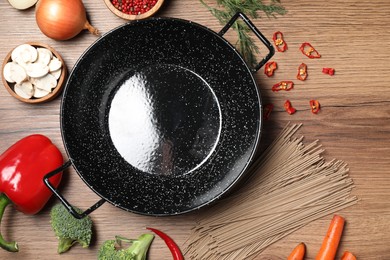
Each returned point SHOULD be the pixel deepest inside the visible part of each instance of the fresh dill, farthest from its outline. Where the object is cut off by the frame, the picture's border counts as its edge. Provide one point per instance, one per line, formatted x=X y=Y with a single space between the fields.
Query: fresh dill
x=226 y=9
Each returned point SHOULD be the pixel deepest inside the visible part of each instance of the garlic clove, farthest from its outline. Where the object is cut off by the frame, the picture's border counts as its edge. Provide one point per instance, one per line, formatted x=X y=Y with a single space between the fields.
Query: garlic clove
x=24 y=89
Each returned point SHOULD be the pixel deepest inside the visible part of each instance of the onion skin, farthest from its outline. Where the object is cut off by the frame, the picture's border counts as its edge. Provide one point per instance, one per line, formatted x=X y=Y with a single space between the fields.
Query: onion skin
x=62 y=19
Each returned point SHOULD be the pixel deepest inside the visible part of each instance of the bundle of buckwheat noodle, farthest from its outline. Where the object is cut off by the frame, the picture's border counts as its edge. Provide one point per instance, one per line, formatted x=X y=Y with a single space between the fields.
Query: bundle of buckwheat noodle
x=290 y=186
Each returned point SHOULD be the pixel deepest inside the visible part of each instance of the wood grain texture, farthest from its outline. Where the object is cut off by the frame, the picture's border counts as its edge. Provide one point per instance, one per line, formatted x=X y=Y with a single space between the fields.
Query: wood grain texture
x=354 y=124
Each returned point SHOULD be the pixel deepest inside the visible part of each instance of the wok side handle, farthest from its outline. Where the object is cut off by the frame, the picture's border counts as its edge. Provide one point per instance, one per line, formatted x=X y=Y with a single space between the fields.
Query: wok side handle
x=67 y=205
x=258 y=34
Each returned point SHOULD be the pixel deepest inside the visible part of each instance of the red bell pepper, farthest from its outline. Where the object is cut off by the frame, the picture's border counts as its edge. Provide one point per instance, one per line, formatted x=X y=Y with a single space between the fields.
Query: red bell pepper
x=22 y=168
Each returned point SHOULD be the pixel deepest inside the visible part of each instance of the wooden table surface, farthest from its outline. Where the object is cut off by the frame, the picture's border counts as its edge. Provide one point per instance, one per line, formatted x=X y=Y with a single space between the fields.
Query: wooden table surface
x=353 y=125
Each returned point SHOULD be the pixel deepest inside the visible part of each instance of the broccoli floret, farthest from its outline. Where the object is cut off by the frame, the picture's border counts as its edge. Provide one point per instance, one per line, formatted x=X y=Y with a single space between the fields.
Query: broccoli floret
x=68 y=229
x=113 y=250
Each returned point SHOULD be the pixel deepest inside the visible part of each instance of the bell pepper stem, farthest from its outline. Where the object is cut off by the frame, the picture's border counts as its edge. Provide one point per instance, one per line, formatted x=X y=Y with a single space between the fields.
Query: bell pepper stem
x=9 y=246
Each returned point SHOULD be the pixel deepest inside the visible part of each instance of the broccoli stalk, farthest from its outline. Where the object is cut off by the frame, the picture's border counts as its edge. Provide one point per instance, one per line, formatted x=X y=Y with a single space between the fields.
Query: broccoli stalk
x=68 y=229
x=112 y=249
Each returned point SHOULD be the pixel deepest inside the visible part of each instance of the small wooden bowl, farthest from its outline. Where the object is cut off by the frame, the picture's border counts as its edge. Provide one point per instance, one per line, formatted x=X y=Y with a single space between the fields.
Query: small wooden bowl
x=122 y=15
x=56 y=91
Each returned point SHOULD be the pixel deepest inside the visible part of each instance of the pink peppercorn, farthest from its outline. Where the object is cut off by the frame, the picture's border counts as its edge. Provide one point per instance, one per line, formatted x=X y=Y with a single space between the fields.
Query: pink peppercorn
x=134 y=7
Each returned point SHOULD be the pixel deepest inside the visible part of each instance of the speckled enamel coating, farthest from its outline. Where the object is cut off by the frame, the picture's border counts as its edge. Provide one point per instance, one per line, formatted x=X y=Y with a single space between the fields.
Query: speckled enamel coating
x=202 y=107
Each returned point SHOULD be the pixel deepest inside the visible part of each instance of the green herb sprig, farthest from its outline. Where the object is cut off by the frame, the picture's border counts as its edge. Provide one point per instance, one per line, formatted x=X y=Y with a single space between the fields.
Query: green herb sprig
x=226 y=9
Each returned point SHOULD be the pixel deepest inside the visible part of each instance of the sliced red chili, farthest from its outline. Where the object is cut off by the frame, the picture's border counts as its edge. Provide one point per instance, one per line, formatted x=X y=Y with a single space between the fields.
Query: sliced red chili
x=270 y=68
x=279 y=41
x=308 y=50
x=315 y=106
x=289 y=108
x=302 y=72
x=267 y=111
x=283 y=85
x=329 y=71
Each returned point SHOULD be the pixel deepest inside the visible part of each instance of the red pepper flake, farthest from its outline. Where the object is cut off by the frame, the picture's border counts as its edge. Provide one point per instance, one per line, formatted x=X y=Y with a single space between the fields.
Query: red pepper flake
x=315 y=106
x=302 y=72
x=134 y=7
x=270 y=68
x=283 y=85
x=289 y=108
x=280 y=43
x=329 y=71
x=308 y=50
x=267 y=111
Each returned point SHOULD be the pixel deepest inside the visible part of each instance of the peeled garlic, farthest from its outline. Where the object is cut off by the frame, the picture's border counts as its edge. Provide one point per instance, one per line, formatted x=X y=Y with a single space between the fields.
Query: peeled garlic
x=22 y=4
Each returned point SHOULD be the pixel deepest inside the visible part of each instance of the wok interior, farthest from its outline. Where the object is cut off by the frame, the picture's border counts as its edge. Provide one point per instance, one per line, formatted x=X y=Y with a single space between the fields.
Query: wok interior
x=197 y=120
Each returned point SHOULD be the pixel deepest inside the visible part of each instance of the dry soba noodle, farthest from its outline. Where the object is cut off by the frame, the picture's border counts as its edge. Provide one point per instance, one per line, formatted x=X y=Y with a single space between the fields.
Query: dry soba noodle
x=291 y=185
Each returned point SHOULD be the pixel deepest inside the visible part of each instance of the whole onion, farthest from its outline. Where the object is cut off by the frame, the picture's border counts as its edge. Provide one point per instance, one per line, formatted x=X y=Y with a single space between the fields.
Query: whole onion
x=62 y=19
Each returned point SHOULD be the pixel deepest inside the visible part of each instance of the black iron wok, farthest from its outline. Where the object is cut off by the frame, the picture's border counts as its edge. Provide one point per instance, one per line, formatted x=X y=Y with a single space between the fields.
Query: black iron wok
x=161 y=116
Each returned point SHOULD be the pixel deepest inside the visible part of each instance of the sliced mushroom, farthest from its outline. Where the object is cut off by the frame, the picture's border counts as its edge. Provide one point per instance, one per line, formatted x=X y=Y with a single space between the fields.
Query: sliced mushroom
x=14 y=73
x=47 y=82
x=7 y=72
x=39 y=93
x=37 y=70
x=55 y=64
x=44 y=56
x=24 y=53
x=56 y=73
x=24 y=89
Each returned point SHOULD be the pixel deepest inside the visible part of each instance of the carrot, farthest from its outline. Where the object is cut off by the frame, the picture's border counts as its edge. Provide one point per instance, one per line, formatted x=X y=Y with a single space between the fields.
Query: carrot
x=298 y=253
x=331 y=241
x=348 y=256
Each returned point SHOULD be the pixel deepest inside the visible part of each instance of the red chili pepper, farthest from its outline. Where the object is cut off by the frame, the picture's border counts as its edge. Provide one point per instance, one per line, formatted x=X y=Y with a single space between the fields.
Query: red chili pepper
x=279 y=42
x=308 y=50
x=267 y=111
x=283 y=85
x=22 y=168
x=329 y=71
x=302 y=72
x=270 y=68
x=173 y=247
x=289 y=108
x=315 y=106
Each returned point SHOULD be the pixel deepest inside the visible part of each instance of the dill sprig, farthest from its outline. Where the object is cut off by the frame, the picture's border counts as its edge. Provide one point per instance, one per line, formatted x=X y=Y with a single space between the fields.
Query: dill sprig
x=228 y=8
